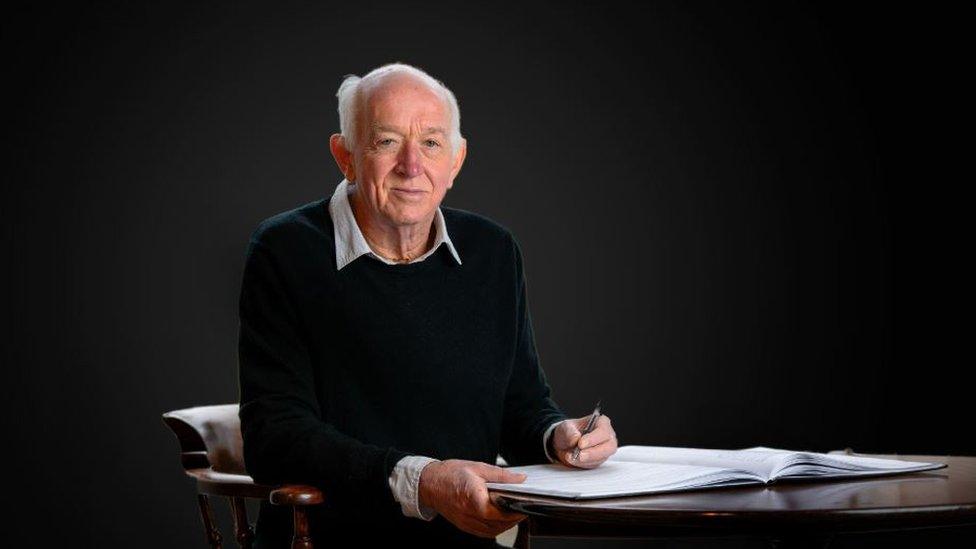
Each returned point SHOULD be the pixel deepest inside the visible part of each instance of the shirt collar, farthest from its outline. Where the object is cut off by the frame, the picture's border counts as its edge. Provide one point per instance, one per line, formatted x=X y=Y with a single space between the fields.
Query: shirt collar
x=350 y=242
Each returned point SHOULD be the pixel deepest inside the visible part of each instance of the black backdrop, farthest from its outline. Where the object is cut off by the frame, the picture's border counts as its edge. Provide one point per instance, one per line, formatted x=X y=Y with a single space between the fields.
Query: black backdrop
x=728 y=236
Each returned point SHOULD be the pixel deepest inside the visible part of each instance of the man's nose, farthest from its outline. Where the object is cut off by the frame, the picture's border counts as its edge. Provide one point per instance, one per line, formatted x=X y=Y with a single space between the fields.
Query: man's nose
x=408 y=163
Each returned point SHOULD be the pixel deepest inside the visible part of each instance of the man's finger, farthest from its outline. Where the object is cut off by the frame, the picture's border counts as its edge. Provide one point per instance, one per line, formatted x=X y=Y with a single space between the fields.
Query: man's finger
x=597 y=454
x=602 y=450
x=599 y=435
x=494 y=512
x=602 y=424
x=608 y=445
x=593 y=455
x=492 y=473
x=499 y=515
x=569 y=432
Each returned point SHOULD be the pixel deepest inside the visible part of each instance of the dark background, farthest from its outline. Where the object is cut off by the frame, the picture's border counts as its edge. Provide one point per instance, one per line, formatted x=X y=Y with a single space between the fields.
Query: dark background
x=740 y=223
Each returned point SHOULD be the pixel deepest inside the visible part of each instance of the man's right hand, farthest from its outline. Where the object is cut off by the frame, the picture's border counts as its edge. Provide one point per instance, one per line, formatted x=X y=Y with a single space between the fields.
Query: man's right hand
x=456 y=489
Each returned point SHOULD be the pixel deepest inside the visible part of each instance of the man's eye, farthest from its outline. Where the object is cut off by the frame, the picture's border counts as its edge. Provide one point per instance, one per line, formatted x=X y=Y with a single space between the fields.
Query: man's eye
x=384 y=142
x=432 y=143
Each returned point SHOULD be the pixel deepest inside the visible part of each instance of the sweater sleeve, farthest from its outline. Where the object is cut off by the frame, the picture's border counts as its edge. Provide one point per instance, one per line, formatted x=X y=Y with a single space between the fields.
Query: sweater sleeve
x=529 y=410
x=285 y=438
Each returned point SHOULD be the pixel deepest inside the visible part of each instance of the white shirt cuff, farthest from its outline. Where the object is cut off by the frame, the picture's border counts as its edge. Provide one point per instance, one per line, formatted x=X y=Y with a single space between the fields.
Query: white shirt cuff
x=545 y=441
x=405 y=484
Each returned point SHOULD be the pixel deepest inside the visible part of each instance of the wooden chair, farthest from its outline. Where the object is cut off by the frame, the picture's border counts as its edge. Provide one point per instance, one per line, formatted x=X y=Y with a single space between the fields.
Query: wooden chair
x=212 y=451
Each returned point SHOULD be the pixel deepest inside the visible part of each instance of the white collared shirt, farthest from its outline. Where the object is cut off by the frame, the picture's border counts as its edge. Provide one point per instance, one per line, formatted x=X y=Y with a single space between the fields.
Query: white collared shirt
x=349 y=245
x=350 y=242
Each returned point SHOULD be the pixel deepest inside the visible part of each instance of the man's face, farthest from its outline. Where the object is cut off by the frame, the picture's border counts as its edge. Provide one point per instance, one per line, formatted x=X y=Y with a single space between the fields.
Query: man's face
x=403 y=164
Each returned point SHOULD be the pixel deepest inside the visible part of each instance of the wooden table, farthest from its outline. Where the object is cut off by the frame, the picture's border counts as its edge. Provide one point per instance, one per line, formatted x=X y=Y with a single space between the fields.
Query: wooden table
x=789 y=514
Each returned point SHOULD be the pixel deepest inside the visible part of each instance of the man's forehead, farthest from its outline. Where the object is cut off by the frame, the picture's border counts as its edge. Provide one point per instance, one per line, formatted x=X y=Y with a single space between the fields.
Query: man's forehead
x=401 y=117
x=378 y=127
x=403 y=102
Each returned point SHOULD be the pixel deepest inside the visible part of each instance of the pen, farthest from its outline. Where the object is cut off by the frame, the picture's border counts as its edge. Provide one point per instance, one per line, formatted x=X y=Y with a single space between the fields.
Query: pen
x=589 y=427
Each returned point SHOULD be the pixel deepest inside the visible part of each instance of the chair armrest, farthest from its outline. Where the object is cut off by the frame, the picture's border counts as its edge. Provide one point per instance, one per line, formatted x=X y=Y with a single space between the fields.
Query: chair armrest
x=296 y=494
x=213 y=483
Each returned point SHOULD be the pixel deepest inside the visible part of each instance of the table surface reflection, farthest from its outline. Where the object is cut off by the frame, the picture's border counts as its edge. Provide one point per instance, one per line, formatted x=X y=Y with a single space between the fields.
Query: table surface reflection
x=941 y=497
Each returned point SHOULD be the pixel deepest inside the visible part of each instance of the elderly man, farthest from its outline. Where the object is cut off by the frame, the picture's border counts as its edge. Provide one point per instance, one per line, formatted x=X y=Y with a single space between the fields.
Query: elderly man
x=386 y=348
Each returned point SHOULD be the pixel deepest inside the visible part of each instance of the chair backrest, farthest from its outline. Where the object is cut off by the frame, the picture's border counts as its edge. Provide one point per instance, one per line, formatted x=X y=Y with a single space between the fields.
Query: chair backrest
x=209 y=436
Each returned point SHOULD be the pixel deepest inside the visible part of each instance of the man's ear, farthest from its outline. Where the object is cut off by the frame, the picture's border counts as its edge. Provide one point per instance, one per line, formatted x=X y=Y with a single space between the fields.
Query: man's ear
x=343 y=156
x=458 y=160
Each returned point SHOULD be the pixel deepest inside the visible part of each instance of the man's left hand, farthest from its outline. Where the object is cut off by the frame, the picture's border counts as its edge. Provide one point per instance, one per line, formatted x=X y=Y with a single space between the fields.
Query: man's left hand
x=595 y=446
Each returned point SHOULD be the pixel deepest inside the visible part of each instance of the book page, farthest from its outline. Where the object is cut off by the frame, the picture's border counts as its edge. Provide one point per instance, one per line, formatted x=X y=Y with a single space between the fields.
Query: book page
x=760 y=462
x=617 y=478
x=812 y=464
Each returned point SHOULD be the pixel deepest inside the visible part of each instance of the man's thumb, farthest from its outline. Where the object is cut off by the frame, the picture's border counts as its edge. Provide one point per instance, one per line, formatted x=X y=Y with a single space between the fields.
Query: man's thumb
x=493 y=473
x=572 y=433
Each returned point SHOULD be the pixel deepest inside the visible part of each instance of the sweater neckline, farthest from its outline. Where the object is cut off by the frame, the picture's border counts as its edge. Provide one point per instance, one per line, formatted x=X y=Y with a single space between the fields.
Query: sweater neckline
x=405 y=269
x=399 y=269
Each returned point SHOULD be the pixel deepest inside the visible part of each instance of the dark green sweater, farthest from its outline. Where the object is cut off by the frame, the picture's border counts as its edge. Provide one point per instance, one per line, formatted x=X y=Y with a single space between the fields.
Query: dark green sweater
x=343 y=373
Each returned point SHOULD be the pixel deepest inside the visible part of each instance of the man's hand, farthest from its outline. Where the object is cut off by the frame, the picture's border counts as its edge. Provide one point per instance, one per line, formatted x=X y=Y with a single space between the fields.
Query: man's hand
x=456 y=489
x=595 y=446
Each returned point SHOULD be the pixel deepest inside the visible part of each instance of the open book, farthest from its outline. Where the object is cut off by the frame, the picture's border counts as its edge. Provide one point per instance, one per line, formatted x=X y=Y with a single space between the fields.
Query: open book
x=635 y=470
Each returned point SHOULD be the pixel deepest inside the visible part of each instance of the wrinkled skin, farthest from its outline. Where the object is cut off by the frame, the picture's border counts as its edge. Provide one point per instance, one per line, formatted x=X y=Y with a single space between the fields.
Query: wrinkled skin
x=595 y=446
x=456 y=488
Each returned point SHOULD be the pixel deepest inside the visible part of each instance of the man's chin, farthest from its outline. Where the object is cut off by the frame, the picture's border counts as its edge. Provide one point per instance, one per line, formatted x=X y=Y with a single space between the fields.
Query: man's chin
x=410 y=218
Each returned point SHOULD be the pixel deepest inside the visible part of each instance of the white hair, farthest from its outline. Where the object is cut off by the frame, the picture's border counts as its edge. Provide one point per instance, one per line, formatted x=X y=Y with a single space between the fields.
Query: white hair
x=351 y=95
